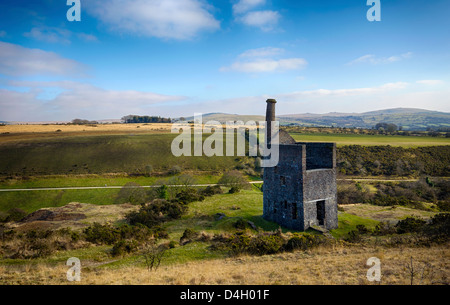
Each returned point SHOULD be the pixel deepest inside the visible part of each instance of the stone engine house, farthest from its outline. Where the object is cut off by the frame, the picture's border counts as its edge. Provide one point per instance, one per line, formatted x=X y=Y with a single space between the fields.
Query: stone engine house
x=300 y=192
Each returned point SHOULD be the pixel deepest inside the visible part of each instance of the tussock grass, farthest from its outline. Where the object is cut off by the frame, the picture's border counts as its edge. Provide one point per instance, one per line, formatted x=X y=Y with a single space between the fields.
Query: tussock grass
x=338 y=265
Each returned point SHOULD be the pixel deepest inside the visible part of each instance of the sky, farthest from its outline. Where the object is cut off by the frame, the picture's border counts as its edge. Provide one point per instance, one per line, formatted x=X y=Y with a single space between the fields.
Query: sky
x=175 y=58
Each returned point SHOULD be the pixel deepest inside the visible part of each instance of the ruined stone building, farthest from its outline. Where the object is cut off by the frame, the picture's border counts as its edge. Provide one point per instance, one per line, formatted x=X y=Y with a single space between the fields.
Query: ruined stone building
x=300 y=191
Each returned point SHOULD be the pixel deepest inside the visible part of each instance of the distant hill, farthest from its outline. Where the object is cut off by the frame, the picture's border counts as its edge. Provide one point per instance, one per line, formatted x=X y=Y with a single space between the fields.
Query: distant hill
x=407 y=118
x=226 y=117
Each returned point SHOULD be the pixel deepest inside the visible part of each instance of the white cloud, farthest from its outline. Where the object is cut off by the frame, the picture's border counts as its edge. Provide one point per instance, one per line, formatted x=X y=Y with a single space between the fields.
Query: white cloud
x=267 y=65
x=57 y=35
x=431 y=82
x=75 y=100
x=348 y=100
x=243 y=6
x=87 y=37
x=49 y=34
x=262 y=52
x=173 y=19
x=372 y=59
x=16 y=60
x=264 y=60
x=345 y=92
x=265 y=20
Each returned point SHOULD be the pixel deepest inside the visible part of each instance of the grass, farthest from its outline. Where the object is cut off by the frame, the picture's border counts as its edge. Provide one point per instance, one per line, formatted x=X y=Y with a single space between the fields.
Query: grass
x=348 y=222
x=195 y=263
x=31 y=201
x=320 y=266
x=370 y=140
x=97 y=180
x=100 y=154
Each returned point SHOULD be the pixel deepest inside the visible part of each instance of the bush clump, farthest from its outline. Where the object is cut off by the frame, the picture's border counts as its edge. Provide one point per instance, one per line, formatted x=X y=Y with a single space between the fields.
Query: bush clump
x=410 y=225
x=242 y=242
x=303 y=242
x=156 y=212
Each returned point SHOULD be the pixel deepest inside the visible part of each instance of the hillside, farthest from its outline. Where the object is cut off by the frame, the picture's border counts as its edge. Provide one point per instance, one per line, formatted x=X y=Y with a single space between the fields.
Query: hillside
x=407 y=118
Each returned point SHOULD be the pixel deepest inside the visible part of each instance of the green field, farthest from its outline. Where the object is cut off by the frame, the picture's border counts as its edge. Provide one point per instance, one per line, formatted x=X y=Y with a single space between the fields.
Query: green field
x=372 y=140
x=132 y=154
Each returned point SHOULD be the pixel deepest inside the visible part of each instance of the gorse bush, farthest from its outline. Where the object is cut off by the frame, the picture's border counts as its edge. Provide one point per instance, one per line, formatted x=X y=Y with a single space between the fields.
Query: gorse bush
x=109 y=235
x=212 y=190
x=156 y=212
x=303 y=241
x=410 y=225
x=243 y=242
x=189 y=195
x=123 y=247
x=38 y=243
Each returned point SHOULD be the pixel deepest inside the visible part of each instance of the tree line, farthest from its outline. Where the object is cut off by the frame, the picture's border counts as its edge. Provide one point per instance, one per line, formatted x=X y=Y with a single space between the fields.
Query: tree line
x=145 y=119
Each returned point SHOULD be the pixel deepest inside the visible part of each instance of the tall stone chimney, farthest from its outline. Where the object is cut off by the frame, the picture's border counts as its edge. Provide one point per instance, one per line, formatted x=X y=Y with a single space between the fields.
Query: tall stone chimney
x=270 y=117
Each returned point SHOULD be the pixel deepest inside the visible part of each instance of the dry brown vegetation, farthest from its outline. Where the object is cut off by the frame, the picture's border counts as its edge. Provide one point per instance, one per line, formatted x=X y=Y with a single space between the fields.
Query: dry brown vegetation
x=389 y=214
x=324 y=265
x=73 y=215
x=11 y=133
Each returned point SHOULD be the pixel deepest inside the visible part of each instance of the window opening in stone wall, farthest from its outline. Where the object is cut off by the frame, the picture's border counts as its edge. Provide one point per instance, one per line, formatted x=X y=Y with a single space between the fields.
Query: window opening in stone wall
x=294 y=210
x=320 y=205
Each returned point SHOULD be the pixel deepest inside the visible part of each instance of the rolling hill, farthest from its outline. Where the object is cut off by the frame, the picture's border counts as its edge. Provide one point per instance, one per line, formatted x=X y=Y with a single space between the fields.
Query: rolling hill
x=407 y=118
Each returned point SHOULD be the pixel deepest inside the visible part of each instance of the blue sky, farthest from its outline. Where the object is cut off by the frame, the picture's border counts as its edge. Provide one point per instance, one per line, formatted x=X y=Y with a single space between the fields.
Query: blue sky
x=179 y=57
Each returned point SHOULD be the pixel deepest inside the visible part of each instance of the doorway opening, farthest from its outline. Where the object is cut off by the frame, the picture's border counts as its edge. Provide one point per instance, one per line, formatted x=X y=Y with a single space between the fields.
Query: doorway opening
x=320 y=205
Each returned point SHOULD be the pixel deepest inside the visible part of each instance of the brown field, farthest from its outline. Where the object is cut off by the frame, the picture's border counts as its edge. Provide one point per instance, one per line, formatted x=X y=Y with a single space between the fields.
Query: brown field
x=81 y=128
x=11 y=133
x=343 y=265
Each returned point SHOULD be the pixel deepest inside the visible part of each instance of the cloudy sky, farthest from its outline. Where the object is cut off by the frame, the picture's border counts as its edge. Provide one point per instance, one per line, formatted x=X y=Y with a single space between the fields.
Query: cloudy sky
x=179 y=57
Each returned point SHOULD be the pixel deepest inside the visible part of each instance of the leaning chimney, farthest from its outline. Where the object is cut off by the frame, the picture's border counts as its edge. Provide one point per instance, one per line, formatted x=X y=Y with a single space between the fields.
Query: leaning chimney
x=270 y=117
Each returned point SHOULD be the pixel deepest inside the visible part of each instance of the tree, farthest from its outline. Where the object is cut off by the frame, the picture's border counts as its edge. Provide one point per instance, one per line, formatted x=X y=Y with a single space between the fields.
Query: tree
x=387 y=127
x=153 y=254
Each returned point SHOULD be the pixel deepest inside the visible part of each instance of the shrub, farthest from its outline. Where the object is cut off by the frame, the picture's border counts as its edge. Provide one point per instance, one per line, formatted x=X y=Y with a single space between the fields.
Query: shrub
x=384 y=228
x=302 y=242
x=109 y=235
x=175 y=170
x=124 y=247
x=438 y=230
x=444 y=206
x=101 y=234
x=189 y=195
x=162 y=192
x=410 y=225
x=353 y=193
x=188 y=236
x=153 y=254
x=241 y=224
x=265 y=244
x=362 y=229
x=156 y=212
x=353 y=236
x=212 y=190
x=234 y=189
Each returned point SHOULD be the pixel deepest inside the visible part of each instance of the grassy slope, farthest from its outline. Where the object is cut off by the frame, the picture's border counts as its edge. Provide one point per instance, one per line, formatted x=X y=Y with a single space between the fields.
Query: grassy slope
x=100 y=154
